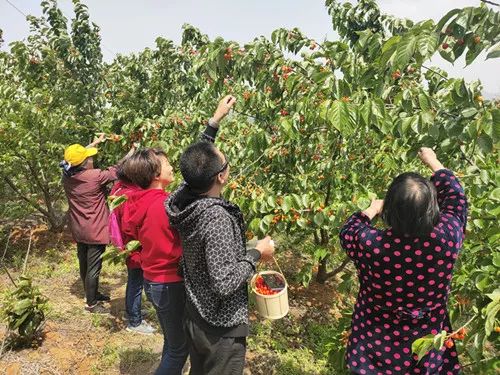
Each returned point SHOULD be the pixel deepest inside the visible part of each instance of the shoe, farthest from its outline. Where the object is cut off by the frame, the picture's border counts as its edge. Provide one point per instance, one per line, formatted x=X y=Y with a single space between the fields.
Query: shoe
x=102 y=297
x=144 y=328
x=98 y=308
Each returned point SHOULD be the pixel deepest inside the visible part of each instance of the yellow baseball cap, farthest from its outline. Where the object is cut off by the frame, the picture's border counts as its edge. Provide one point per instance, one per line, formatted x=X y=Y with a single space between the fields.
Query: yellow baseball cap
x=76 y=154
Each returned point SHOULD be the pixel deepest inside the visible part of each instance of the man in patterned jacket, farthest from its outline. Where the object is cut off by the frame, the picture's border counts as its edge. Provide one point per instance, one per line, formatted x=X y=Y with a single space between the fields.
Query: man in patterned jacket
x=216 y=264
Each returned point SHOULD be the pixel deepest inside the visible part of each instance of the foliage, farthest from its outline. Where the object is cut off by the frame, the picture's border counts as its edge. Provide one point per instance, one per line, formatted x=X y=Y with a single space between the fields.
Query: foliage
x=23 y=308
x=49 y=98
x=118 y=256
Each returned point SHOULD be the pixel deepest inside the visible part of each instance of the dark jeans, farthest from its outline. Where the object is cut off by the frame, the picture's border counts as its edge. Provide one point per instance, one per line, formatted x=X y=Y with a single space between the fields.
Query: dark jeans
x=168 y=300
x=214 y=355
x=133 y=294
x=89 y=258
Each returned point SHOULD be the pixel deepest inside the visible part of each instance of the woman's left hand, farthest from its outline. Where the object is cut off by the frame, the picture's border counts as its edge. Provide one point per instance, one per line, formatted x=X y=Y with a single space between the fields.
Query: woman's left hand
x=375 y=208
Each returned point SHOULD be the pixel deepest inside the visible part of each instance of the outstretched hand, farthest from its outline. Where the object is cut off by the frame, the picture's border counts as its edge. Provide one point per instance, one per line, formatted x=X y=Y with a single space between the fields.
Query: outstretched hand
x=224 y=107
x=375 y=208
x=429 y=158
x=101 y=138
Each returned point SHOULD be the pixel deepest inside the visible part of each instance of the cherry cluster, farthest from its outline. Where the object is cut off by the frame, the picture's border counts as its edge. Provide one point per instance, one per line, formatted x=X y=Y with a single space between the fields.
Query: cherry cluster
x=261 y=287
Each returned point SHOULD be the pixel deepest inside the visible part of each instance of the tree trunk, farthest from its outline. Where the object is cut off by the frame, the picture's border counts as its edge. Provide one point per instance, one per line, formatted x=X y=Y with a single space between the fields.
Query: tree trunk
x=56 y=221
x=322 y=274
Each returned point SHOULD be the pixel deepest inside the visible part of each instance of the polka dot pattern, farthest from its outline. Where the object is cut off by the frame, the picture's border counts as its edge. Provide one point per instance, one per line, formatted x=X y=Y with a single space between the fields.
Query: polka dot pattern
x=404 y=286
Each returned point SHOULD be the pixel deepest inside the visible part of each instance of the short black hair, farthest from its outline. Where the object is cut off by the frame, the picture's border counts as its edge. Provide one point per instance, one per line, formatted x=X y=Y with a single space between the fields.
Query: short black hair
x=410 y=205
x=199 y=165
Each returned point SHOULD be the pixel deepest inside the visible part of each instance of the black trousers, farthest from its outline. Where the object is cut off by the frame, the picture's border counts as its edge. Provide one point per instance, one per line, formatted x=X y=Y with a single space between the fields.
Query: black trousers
x=89 y=258
x=214 y=355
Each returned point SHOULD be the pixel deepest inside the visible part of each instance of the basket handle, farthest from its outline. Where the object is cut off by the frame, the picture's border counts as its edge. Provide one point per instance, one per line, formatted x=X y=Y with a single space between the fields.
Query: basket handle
x=279 y=268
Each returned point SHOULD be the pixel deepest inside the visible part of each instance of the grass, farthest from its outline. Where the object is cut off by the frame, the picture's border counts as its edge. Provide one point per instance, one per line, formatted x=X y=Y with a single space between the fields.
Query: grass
x=287 y=346
x=131 y=357
x=108 y=358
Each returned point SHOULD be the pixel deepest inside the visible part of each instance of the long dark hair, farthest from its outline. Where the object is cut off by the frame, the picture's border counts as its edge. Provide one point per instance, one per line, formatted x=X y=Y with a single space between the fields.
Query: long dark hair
x=410 y=205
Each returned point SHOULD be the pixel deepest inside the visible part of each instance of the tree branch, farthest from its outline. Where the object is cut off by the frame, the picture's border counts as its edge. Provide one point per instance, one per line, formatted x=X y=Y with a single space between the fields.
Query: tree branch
x=435 y=72
x=338 y=269
x=26 y=199
x=490 y=2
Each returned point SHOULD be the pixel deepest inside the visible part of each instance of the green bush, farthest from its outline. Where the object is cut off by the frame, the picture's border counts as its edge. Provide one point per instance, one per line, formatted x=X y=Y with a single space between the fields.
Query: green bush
x=23 y=308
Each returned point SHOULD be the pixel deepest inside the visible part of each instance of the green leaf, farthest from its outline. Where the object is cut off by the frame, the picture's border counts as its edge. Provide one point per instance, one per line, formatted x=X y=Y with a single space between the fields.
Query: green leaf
x=20 y=320
x=443 y=21
x=434 y=131
x=391 y=43
x=422 y=345
x=133 y=245
x=496 y=259
x=363 y=203
x=319 y=219
x=405 y=51
x=439 y=340
x=482 y=282
x=320 y=254
x=287 y=204
x=287 y=127
x=341 y=116
x=495 y=194
x=427 y=45
x=485 y=144
x=271 y=202
x=116 y=200
x=424 y=102
x=21 y=306
x=302 y=223
x=495 y=114
x=469 y=112
x=471 y=55
x=388 y=51
x=267 y=219
x=254 y=225
x=491 y=312
x=494 y=53
x=264 y=226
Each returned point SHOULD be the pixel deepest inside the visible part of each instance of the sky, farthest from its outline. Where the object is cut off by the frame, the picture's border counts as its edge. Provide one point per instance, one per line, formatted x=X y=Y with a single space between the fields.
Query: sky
x=130 y=26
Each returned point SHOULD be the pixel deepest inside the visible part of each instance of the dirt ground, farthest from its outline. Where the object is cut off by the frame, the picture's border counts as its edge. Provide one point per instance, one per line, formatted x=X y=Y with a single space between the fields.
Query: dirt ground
x=77 y=342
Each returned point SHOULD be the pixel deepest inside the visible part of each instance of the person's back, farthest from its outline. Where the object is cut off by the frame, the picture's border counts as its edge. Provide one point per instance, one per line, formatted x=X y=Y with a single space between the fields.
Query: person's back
x=409 y=272
x=213 y=240
x=405 y=272
x=144 y=218
x=88 y=215
x=88 y=211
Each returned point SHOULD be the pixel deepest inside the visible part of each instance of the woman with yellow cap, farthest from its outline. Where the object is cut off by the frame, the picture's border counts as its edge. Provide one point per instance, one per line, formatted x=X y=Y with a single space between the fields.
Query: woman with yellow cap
x=85 y=188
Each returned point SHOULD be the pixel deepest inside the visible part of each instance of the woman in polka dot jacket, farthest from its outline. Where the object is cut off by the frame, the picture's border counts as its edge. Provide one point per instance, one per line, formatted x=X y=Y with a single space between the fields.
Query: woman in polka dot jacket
x=405 y=272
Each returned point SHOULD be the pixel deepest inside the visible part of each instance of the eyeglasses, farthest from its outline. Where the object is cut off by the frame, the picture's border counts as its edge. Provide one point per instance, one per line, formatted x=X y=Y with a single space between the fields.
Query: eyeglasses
x=222 y=169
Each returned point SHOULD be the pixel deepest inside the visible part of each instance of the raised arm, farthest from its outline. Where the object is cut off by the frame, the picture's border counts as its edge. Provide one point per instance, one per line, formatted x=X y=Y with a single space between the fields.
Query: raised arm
x=351 y=232
x=358 y=223
x=222 y=110
x=97 y=140
x=450 y=193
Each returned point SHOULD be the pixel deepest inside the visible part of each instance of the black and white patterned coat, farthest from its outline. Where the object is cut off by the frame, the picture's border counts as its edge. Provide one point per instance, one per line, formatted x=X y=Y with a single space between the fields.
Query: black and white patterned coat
x=215 y=263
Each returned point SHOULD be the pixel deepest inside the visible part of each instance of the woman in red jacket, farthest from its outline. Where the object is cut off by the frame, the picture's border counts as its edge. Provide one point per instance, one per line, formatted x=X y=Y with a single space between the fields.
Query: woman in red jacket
x=144 y=218
x=135 y=279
